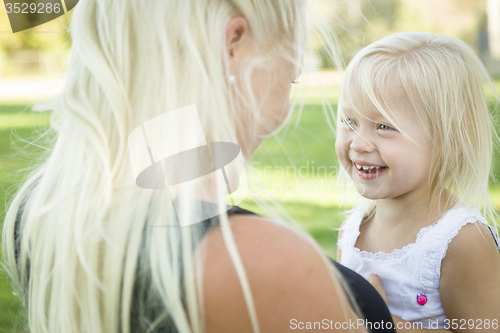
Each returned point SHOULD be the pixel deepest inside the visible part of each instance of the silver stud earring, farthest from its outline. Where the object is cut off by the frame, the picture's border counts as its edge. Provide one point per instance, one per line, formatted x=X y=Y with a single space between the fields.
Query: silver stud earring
x=232 y=79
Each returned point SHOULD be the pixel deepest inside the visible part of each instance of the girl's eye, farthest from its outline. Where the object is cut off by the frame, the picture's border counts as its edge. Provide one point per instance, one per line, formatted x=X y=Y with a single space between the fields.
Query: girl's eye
x=349 y=122
x=384 y=127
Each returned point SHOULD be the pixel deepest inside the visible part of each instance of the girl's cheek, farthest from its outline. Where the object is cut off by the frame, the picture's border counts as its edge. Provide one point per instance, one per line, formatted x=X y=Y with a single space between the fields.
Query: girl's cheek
x=342 y=142
x=338 y=147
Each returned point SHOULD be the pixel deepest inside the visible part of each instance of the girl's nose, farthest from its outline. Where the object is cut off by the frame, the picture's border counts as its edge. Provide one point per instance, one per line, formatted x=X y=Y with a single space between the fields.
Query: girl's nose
x=360 y=143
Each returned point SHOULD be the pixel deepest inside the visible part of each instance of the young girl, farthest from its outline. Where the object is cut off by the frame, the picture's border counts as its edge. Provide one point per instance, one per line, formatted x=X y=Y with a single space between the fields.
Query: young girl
x=89 y=251
x=415 y=136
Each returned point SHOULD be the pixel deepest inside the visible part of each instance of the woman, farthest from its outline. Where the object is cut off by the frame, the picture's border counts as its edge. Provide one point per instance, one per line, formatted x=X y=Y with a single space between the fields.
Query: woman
x=93 y=252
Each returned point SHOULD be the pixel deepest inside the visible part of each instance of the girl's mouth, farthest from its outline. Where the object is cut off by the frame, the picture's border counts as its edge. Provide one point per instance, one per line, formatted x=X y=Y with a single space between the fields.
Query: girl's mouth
x=369 y=171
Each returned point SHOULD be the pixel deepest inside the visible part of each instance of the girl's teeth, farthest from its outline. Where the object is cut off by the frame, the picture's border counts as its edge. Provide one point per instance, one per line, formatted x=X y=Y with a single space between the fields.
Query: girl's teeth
x=364 y=167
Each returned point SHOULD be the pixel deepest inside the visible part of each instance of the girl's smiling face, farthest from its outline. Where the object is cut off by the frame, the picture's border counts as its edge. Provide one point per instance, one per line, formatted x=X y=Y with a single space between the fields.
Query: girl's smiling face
x=382 y=161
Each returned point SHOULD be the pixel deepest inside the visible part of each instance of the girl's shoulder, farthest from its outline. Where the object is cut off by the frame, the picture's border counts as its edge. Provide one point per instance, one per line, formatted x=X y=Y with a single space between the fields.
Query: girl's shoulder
x=349 y=230
x=459 y=227
x=455 y=219
x=458 y=234
x=353 y=217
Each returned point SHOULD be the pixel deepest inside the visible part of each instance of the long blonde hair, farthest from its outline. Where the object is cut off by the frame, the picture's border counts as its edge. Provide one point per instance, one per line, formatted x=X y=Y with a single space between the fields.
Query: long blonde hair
x=443 y=79
x=85 y=227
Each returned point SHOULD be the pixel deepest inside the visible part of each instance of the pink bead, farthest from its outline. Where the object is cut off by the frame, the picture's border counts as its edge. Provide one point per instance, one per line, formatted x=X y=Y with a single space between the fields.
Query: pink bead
x=421 y=299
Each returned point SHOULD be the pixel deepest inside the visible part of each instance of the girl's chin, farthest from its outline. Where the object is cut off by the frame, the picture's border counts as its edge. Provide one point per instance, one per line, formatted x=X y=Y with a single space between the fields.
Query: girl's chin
x=370 y=197
x=365 y=193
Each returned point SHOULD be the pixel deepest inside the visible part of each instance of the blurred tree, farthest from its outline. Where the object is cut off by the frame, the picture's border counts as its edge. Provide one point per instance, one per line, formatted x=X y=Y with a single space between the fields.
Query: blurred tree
x=39 y=51
x=361 y=22
x=49 y=36
x=493 y=24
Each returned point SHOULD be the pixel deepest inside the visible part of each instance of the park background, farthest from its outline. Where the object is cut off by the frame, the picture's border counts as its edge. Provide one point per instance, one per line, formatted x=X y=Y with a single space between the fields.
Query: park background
x=301 y=155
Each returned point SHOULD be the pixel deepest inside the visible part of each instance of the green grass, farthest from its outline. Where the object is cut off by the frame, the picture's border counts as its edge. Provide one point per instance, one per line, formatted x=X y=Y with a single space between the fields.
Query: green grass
x=301 y=154
x=17 y=125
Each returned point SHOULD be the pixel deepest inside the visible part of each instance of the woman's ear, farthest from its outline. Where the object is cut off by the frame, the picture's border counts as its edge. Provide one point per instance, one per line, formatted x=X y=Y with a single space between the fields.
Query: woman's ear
x=237 y=40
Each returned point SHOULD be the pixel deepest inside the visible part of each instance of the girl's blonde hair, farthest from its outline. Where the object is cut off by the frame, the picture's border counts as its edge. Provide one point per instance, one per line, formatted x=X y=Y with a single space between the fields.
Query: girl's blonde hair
x=85 y=227
x=443 y=79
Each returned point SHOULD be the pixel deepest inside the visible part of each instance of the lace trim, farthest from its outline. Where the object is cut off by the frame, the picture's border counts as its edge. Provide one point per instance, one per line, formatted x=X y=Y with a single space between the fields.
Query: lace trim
x=454 y=232
x=396 y=253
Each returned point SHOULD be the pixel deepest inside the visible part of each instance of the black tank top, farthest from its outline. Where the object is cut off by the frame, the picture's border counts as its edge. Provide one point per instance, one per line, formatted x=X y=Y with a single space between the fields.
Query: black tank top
x=372 y=306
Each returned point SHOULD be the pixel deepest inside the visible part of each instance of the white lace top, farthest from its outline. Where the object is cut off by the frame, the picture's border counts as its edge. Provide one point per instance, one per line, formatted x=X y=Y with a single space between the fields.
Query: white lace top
x=410 y=276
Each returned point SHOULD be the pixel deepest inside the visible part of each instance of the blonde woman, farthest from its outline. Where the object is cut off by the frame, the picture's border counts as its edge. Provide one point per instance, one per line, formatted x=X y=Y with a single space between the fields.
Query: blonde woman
x=89 y=251
x=416 y=137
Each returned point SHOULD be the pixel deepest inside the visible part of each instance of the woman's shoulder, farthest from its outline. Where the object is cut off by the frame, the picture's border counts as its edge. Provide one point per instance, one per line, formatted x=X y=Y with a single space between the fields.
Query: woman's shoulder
x=289 y=279
x=261 y=240
x=264 y=246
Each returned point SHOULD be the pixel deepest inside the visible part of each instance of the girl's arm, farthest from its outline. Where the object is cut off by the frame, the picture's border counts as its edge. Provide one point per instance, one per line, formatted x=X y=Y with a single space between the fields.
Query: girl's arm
x=470 y=281
x=469 y=285
x=398 y=322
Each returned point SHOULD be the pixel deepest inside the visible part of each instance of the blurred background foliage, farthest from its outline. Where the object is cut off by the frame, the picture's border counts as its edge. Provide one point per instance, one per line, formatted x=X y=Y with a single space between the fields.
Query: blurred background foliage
x=302 y=153
x=358 y=23
x=355 y=22
x=37 y=52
